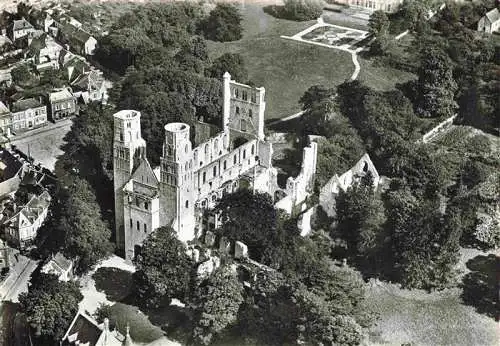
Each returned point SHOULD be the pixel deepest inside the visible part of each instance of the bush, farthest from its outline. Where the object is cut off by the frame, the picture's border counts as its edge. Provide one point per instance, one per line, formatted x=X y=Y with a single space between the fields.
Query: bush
x=303 y=9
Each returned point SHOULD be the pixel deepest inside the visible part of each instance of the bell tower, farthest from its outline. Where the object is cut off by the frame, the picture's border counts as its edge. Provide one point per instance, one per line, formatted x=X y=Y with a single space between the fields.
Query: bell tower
x=176 y=183
x=128 y=149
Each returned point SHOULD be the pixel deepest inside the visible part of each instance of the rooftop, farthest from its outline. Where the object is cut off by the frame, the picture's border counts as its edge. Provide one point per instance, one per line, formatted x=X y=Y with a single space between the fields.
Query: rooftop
x=25 y=104
x=60 y=95
x=493 y=15
x=3 y=108
x=21 y=24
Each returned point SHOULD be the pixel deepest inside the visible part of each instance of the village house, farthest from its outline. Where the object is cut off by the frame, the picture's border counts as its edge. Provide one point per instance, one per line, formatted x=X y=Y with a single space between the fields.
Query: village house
x=22 y=223
x=490 y=23
x=90 y=86
x=5 y=256
x=59 y=266
x=77 y=39
x=28 y=114
x=5 y=120
x=86 y=331
x=12 y=170
x=19 y=29
x=62 y=104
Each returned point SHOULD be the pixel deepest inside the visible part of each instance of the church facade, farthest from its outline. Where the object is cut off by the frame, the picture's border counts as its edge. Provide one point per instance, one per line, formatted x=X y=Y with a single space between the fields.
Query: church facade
x=190 y=179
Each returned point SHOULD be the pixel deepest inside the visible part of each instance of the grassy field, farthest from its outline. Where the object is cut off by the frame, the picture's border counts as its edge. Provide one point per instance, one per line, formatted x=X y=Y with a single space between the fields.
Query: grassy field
x=285 y=68
x=381 y=77
x=422 y=318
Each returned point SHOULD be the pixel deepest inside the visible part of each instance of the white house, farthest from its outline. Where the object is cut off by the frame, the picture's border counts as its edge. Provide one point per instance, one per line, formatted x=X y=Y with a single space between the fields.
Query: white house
x=60 y=266
x=22 y=227
x=490 y=22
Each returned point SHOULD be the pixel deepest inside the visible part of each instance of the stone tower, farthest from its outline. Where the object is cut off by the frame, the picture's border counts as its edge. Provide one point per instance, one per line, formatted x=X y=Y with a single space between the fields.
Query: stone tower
x=176 y=181
x=128 y=149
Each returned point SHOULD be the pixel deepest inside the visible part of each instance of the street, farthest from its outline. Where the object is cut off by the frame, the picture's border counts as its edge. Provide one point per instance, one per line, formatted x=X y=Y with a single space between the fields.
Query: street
x=17 y=281
x=44 y=144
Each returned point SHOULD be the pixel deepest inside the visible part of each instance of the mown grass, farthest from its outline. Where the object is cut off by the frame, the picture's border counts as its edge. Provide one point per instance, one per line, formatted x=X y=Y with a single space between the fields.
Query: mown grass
x=285 y=68
x=438 y=318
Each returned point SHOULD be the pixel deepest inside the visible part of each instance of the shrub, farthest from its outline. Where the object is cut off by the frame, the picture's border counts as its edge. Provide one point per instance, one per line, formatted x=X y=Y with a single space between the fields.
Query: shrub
x=303 y=9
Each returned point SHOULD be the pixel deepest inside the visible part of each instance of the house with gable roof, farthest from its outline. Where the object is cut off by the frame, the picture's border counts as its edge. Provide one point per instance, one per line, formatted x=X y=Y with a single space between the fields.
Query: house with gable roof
x=21 y=224
x=19 y=29
x=490 y=23
x=59 y=266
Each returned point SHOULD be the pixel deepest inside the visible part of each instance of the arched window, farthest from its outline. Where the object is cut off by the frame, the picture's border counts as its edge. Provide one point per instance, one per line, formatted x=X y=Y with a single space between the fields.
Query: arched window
x=204 y=177
x=121 y=137
x=145 y=228
x=236 y=93
x=186 y=166
x=186 y=148
x=206 y=149
x=187 y=204
x=253 y=149
x=137 y=203
x=244 y=154
x=234 y=160
x=128 y=123
x=244 y=95
x=215 y=171
x=216 y=145
x=237 y=110
x=214 y=197
x=225 y=165
x=250 y=113
x=243 y=125
x=131 y=223
x=138 y=226
x=146 y=205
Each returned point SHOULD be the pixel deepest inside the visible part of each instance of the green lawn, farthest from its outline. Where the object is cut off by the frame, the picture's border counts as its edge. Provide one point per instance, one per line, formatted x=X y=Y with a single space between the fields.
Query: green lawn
x=438 y=318
x=381 y=77
x=285 y=68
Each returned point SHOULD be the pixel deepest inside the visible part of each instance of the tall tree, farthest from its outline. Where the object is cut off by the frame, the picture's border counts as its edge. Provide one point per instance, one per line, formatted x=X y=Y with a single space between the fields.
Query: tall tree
x=86 y=235
x=50 y=305
x=216 y=303
x=436 y=85
x=163 y=268
x=378 y=24
x=228 y=62
x=223 y=24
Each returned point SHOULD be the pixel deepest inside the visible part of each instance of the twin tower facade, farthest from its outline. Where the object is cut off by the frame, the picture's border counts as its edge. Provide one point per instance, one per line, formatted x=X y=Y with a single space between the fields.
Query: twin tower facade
x=189 y=179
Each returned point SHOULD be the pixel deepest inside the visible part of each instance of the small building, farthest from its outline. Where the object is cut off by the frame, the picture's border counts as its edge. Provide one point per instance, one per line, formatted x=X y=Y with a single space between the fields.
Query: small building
x=490 y=23
x=5 y=120
x=12 y=170
x=28 y=114
x=77 y=39
x=59 y=266
x=373 y=5
x=19 y=29
x=21 y=228
x=84 y=330
x=5 y=255
x=62 y=104
x=92 y=86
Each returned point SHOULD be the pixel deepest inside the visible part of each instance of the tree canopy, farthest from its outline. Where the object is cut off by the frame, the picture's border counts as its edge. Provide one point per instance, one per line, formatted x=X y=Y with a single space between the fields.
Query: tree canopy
x=223 y=24
x=163 y=268
x=50 y=305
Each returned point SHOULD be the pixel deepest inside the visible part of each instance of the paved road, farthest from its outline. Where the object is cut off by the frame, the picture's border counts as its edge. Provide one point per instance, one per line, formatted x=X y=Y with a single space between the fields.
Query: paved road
x=17 y=281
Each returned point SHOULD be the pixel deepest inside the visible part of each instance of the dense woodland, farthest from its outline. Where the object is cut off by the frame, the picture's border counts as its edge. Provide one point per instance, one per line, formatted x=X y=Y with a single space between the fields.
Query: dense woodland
x=409 y=232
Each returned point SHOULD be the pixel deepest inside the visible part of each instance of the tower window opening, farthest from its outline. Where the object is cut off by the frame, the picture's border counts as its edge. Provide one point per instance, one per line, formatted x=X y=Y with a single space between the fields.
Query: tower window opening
x=187 y=204
x=215 y=171
x=137 y=202
x=121 y=137
x=236 y=93
x=244 y=95
x=225 y=165
x=244 y=154
x=234 y=159
x=250 y=113
x=128 y=124
x=253 y=149
x=131 y=223
x=146 y=205
x=253 y=98
x=237 y=110
x=204 y=177
x=138 y=226
x=145 y=228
